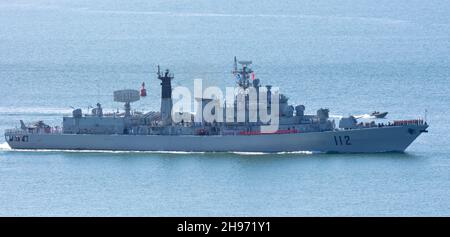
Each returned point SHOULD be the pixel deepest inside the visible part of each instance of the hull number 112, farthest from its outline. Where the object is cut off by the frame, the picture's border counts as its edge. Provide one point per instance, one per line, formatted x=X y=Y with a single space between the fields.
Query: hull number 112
x=342 y=140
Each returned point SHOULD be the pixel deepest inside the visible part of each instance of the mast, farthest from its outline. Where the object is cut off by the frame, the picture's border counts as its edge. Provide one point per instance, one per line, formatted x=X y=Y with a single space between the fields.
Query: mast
x=245 y=78
x=243 y=74
x=166 y=96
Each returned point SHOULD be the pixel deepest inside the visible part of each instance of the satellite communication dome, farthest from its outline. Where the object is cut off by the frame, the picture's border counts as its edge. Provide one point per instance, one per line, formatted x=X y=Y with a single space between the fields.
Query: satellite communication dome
x=126 y=96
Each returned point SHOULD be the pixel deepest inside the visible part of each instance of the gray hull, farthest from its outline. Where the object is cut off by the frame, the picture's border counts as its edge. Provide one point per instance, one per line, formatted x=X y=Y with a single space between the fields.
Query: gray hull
x=384 y=139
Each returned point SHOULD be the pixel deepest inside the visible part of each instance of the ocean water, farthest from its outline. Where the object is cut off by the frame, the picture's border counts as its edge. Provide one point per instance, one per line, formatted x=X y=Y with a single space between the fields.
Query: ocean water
x=352 y=57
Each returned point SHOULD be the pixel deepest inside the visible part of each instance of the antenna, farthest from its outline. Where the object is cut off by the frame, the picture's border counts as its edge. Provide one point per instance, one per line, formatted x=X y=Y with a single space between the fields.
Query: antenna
x=127 y=97
x=242 y=75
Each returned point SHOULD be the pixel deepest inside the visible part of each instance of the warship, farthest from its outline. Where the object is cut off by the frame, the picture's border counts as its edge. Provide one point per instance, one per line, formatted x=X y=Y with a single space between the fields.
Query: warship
x=162 y=131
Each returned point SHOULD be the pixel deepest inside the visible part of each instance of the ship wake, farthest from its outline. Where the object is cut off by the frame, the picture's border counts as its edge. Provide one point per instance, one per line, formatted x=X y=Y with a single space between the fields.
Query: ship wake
x=274 y=153
x=4 y=147
x=33 y=111
x=364 y=116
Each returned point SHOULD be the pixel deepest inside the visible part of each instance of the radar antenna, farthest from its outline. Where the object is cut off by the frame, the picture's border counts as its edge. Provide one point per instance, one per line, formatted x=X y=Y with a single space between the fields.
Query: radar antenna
x=243 y=75
x=127 y=97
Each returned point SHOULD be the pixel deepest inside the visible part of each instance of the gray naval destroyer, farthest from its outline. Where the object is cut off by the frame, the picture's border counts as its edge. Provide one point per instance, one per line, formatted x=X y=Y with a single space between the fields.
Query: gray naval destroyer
x=157 y=130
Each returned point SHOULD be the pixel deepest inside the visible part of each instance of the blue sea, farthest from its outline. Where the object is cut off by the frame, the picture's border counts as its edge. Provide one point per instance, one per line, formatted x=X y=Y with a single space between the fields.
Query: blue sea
x=351 y=56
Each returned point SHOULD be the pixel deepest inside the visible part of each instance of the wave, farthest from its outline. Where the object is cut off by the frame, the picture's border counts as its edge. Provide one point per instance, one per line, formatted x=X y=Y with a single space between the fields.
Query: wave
x=380 y=20
x=364 y=116
x=250 y=153
x=211 y=14
x=13 y=111
x=300 y=152
x=275 y=153
x=5 y=147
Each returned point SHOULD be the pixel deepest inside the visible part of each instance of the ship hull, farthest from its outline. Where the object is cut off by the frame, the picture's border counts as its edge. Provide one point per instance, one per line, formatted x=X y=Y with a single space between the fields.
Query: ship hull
x=378 y=139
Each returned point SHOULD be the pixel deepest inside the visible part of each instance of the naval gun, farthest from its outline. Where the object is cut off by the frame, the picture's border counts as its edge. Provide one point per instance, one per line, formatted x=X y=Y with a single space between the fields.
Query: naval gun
x=127 y=97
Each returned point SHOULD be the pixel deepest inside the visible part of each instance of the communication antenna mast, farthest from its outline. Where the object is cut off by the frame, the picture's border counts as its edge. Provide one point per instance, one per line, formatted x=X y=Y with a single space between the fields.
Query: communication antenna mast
x=243 y=75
